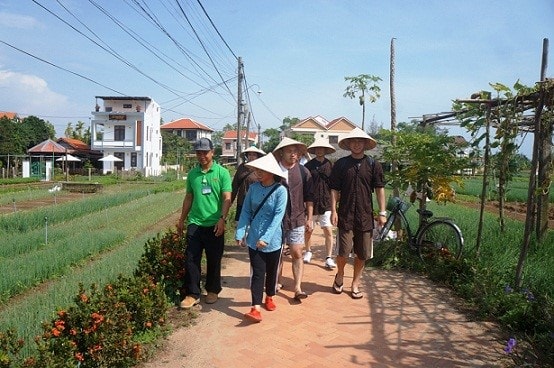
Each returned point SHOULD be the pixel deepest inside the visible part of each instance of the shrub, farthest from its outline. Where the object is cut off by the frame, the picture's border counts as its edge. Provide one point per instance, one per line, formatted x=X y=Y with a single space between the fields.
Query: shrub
x=100 y=330
x=164 y=260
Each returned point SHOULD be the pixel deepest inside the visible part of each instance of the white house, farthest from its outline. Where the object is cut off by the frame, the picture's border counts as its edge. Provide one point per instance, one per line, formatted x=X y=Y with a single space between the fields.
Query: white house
x=129 y=129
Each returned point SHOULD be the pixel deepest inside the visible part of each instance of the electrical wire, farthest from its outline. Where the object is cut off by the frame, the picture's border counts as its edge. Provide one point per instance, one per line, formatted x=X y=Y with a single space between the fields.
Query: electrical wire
x=61 y=68
x=213 y=25
x=203 y=46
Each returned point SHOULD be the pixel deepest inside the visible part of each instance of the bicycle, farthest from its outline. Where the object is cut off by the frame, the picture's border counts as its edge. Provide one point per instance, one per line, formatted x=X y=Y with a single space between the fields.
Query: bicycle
x=435 y=238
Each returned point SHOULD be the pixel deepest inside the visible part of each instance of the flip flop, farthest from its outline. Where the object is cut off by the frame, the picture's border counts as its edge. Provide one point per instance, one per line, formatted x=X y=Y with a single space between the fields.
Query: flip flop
x=357 y=294
x=337 y=289
x=300 y=295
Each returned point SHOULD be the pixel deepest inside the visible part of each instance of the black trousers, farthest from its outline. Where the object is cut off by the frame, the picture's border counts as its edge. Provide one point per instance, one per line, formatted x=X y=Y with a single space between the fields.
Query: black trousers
x=202 y=239
x=264 y=267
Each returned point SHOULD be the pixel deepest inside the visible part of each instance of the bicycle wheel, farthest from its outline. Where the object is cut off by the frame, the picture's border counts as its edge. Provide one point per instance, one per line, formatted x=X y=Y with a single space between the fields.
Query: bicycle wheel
x=440 y=240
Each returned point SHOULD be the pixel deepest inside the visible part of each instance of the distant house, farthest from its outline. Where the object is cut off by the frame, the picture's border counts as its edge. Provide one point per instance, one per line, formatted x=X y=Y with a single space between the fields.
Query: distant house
x=229 y=144
x=320 y=128
x=9 y=115
x=79 y=149
x=187 y=128
x=129 y=129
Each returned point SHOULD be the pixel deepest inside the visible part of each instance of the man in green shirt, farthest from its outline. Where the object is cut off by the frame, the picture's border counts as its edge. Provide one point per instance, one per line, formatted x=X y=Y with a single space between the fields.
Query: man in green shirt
x=206 y=206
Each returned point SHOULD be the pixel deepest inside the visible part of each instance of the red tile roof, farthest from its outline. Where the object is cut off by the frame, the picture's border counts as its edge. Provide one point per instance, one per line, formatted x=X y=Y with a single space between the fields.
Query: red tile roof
x=7 y=114
x=185 y=123
x=232 y=134
x=47 y=146
x=74 y=143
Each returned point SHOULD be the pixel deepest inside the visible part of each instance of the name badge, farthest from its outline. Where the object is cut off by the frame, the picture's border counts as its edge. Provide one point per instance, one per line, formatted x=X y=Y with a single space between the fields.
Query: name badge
x=206 y=189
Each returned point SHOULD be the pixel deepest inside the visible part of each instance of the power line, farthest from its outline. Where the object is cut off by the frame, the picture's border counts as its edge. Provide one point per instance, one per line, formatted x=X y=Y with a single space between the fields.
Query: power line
x=61 y=68
x=213 y=25
x=107 y=49
x=203 y=46
x=149 y=15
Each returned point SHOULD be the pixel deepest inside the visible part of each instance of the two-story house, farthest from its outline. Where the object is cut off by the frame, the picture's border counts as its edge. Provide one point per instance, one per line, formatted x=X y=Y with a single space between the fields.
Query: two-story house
x=189 y=129
x=129 y=129
x=229 y=144
x=320 y=128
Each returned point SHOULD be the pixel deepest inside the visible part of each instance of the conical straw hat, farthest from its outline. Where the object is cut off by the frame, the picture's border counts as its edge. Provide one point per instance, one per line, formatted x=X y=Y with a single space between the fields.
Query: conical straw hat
x=291 y=142
x=370 y=143
x=268 y=163
x=255 y=150
x=323 y=143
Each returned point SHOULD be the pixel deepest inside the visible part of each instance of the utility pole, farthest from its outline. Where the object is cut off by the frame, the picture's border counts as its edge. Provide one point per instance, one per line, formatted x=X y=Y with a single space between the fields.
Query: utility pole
x=394 y=168
x=239 y=108
x=247 y=135
x=259 y=136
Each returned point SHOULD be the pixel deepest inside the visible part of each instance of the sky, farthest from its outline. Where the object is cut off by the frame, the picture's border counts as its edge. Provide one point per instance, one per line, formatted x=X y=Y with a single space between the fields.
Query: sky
x=57 y=55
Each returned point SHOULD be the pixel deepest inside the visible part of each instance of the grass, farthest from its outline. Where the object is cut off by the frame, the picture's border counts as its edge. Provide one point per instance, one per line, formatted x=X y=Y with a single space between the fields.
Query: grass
x=517 y=189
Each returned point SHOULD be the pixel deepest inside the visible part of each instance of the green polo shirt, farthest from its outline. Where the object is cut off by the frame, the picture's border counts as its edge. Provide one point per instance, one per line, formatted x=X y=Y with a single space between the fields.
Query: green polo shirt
x=207 y=189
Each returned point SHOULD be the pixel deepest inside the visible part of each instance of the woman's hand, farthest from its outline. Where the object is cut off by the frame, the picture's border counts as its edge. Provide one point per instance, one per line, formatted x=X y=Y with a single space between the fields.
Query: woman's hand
x=261 y=244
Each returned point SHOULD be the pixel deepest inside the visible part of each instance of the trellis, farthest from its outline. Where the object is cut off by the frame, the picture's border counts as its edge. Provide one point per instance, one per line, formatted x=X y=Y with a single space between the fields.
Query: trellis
x=536 y=109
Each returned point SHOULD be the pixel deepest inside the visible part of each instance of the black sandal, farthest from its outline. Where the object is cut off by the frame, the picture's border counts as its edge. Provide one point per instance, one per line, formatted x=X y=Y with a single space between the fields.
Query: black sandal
x=337 y=289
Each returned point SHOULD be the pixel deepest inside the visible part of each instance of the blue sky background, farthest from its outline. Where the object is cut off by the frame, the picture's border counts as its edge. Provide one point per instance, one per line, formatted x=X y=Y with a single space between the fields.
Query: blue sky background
x=296 y=52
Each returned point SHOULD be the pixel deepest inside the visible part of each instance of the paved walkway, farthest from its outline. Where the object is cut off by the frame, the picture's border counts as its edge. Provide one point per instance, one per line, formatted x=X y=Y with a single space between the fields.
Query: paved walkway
x=402 y=321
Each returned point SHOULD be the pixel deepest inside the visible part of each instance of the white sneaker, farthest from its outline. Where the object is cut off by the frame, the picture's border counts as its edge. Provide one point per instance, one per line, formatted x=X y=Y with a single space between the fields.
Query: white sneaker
x=330 y=263
x=307 y=257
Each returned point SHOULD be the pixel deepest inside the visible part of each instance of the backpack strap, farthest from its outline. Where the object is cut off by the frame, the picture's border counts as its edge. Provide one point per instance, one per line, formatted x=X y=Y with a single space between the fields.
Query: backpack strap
x=263 y=200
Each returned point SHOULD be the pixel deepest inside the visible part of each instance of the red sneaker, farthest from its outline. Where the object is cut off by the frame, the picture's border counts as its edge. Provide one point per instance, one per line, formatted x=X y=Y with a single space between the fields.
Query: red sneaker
x=254 y=315
x=270 y=304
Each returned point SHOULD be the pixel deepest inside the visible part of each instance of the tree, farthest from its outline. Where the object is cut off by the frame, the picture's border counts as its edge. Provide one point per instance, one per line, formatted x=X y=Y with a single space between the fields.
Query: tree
x=288 y=122
x=35 y=130
x=367 y=87
x=427 y=161
x=11 y=140
x=174 y=149
x=273 y=138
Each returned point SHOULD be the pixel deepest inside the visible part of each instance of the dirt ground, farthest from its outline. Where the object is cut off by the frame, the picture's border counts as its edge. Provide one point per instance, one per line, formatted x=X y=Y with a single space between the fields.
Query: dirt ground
x=60 y=197
x=513 y=210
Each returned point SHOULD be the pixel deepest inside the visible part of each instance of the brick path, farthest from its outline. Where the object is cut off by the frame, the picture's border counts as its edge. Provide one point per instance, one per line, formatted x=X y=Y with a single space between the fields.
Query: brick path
x=402 y=321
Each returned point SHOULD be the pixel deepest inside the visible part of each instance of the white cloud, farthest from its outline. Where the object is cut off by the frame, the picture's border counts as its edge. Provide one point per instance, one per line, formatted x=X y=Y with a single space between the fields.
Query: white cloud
x=28 y=94
x=10 y=20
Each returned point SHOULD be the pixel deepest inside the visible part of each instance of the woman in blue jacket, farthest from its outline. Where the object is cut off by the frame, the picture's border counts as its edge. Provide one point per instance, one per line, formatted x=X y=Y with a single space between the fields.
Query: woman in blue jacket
x=259 y=228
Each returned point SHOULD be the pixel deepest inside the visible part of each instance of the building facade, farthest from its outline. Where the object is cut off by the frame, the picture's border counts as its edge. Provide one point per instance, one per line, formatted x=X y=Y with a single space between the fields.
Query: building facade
x=229 y=144
x=128 y=128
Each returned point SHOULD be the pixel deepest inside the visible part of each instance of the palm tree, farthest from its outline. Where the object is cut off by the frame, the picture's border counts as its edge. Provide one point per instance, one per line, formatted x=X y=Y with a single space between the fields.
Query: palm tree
x=361 y=84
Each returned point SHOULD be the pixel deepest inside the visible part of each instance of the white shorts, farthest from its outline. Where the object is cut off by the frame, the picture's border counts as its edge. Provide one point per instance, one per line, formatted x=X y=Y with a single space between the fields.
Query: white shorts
x=323 y=220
